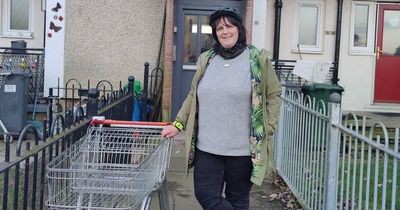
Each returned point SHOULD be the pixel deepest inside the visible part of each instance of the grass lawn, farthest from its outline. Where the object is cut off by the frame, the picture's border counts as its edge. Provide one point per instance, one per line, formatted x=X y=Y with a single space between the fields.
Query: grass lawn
x=12 y=177
x=357 y=175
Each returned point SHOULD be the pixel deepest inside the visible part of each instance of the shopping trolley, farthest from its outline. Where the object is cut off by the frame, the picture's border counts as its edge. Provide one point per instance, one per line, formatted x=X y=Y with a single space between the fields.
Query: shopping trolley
x=116 y=166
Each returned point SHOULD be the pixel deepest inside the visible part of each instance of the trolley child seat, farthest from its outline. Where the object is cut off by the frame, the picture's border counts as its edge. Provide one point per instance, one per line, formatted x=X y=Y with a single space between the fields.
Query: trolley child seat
x=115 y=166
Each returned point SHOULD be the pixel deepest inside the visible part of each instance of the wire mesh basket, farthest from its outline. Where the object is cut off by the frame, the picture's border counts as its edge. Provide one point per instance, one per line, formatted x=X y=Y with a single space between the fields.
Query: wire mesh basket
x=116 y=166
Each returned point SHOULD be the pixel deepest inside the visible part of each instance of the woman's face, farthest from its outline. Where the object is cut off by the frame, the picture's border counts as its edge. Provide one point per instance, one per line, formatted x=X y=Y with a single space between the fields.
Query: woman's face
x=227 y=33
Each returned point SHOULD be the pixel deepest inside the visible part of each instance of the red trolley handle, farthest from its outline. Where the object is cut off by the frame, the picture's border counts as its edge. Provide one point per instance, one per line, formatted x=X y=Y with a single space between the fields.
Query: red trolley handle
x=121 y=122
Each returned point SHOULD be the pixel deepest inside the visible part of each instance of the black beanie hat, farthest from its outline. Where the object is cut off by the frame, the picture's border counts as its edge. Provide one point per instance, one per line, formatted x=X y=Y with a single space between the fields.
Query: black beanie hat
x=225 y=12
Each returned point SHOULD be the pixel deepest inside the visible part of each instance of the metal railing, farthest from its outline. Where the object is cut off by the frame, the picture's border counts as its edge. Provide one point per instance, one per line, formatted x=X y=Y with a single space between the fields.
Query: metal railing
x=22 y=176
x=75 y=100
x=368 y=165
x=29 y=60
x=330 y=164
x=284 y=71
x=152 y=94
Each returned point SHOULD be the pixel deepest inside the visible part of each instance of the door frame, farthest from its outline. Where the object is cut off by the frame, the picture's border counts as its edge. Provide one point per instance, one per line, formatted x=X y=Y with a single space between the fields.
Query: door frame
x=181 y=6
x=378 y=43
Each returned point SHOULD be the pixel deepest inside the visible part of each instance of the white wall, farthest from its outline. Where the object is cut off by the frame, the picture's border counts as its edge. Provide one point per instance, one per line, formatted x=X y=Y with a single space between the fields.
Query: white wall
x=259 y=33
x=288 y=27
x=356 y=72
x=269 y=28
x=38 y=18
x=55 y=42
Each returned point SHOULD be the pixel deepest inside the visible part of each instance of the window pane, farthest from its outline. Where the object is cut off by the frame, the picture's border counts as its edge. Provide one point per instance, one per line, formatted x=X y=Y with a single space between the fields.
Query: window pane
x=391 y=31
x=361 y=25
x=190 y=39
x=206 y=35
x=19 y=18
x=308 y=25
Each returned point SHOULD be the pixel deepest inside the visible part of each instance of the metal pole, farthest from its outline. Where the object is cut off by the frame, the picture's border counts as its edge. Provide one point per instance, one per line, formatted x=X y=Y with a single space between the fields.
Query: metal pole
x=277 y=28
x=335 y=74
x=51 y=101
x=131 y=84
x=145 y=88
x=279 y=142
x=7 y=152
x=331 y=182
x=131 y=90
x=92 y=105
x=6 y=172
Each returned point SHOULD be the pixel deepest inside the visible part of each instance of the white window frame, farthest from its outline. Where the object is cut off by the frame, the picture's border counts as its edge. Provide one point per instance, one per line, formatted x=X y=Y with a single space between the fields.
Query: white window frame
x=369 y=49
x=318 y=48
x=6 y=31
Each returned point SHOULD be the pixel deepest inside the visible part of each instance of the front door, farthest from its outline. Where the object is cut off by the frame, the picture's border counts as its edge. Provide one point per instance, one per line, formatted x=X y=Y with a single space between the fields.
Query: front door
x=387 y=73
x=193 y=36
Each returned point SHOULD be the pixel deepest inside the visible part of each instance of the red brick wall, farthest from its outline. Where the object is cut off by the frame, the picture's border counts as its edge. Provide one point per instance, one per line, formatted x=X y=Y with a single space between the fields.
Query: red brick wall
x=249 y=19
x=168 y=60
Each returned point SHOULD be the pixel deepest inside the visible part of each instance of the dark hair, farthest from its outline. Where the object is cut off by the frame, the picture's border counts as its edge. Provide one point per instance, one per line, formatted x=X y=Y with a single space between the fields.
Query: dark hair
x=241 y=42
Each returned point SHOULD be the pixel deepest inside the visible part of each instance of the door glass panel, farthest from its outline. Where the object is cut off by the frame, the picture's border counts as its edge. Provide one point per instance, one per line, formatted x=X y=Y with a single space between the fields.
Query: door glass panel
x=391 y=31
x=190 y=38
x=206 y=34
x=308 y=25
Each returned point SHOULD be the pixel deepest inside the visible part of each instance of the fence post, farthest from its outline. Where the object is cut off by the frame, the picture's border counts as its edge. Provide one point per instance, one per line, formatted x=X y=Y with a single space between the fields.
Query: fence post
x=129 y=114
x=145 y=90
x=7 y=152
x=131 y=84
x=92 y=105
x=279 y=133
x=330 y=200
x=6 y=172
x=50 y=107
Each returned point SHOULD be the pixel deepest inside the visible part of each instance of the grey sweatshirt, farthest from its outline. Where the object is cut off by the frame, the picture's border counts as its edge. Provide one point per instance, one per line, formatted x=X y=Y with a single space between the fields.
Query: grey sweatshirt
x=224 y=95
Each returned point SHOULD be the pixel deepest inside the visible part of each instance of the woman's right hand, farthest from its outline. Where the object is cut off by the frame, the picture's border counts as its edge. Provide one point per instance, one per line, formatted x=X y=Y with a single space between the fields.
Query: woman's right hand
x=169 y=131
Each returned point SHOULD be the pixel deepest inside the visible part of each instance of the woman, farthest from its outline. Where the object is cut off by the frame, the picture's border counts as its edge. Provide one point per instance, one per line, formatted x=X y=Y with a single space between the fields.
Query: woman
x=229 y=114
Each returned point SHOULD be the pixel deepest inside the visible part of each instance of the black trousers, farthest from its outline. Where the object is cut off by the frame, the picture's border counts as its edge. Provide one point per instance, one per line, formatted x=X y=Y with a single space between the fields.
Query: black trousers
x=211 y=172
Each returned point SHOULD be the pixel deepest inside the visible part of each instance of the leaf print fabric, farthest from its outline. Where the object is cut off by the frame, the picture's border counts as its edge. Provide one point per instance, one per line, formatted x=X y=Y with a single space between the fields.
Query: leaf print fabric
x=257 y=131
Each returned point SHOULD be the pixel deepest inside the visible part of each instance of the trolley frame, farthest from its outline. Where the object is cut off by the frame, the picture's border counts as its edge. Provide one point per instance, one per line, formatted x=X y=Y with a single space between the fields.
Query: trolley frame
x=115 y=166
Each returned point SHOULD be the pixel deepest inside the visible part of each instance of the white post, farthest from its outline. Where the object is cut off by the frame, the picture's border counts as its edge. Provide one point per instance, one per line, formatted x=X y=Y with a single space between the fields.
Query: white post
x=258 y=35
x=54 y=49
x=330 y=200
x=279 y=133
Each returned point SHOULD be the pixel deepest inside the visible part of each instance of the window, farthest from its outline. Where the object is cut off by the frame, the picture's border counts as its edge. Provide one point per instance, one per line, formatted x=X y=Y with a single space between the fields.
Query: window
x=197 y=37
x=362 y=28
x=17 y=18
x=308 y=28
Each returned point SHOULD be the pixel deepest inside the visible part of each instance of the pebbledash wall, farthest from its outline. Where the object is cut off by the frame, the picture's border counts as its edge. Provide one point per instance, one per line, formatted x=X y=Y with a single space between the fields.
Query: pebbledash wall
x=111 y=39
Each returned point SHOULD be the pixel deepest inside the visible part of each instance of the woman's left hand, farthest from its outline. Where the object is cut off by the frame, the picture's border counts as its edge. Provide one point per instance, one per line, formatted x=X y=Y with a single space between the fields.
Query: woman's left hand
x=169 y=131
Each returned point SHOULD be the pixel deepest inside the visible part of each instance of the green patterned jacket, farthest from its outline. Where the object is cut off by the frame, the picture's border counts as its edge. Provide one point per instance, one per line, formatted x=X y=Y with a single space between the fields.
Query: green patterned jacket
x=266 y=100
